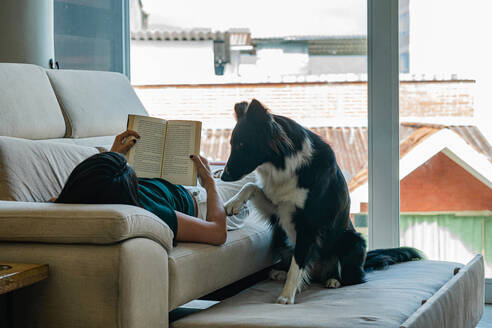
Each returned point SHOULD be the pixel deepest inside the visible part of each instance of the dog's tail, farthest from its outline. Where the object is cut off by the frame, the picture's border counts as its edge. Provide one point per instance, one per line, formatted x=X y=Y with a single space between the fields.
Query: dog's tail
x=382 y=258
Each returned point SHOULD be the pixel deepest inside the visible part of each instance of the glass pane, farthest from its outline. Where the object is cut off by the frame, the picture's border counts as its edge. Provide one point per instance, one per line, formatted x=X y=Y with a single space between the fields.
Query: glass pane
x=89 y=34
x=445 y=131
x=308 y=64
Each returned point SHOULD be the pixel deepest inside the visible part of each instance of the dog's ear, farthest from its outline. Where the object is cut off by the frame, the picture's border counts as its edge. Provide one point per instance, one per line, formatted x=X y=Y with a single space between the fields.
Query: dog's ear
x=257 y=112
x=240 y=110
x=279 y=142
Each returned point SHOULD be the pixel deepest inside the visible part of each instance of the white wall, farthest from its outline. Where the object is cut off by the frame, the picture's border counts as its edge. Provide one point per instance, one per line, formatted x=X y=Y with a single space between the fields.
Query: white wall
x=135 y=16
x=337 y=64
x=164 y=62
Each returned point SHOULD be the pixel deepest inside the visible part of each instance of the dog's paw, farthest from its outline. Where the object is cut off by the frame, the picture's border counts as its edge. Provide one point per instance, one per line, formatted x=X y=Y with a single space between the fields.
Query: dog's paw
x=333 y=283
x=233 y=206
x=285 y=300
x=277 y=275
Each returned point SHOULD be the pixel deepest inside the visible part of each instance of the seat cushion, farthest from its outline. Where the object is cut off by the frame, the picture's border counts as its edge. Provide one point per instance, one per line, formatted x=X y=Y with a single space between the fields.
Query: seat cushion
x=35 y=171
x=94 y=103
x=28 y=105
x=198 y=269
x=387 y=299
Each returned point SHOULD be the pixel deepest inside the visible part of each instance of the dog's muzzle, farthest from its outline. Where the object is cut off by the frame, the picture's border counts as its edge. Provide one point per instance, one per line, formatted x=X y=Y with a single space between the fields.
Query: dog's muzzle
x=225 y=175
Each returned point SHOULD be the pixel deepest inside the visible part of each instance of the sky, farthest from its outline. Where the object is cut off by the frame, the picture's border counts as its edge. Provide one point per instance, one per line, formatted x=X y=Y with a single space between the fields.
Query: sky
x=263 y=18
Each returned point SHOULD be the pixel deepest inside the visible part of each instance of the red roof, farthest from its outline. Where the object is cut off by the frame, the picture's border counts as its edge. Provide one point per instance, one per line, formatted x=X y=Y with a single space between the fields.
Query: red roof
x=350 y=144
x=412 y=134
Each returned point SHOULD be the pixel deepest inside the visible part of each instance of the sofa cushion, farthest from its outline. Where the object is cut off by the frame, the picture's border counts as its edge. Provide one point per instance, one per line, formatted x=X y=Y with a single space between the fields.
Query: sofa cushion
x=198 y=269
x=80 y=223
x=94 y=103
x=35 y=171
x=28 y=105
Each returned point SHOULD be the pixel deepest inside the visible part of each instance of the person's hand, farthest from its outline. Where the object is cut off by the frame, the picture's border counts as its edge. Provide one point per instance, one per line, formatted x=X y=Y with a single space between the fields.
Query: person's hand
x=124 y=141
x=218 y=173
x=204 y=172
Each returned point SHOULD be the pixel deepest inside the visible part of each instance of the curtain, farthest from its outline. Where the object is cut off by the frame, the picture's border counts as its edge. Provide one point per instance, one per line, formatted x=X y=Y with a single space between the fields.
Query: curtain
x=449 y=237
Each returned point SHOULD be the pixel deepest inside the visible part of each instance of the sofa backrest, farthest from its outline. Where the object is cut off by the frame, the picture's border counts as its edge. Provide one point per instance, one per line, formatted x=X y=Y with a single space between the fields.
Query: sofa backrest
x=94 y=103
x=28 y=105
x=75 y=107
x=73 y=104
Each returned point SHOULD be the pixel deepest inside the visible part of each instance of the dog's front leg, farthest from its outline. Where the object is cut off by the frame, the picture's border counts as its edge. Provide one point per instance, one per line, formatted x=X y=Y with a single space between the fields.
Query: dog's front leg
x=263 y=204
x=233 y=205
x=294 y=277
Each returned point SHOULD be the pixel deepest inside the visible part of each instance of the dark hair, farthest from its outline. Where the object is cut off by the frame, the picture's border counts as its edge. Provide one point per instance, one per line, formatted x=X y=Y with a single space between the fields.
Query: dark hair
x=104 y=178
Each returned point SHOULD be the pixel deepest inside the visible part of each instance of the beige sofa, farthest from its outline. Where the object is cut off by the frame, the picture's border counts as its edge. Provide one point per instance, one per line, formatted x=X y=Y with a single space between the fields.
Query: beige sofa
x=109 y=265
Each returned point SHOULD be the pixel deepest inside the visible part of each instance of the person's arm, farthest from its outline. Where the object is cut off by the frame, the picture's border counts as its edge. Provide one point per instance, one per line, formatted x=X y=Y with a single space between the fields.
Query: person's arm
x=214 y=229
x=192 y=229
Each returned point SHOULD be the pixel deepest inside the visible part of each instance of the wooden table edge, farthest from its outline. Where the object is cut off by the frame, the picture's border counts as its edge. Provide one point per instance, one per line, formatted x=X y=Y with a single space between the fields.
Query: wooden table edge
x=21 y=275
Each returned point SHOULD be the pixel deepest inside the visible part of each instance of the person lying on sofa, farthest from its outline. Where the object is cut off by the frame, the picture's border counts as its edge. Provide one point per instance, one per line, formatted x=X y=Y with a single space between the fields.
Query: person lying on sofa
x=194 y=214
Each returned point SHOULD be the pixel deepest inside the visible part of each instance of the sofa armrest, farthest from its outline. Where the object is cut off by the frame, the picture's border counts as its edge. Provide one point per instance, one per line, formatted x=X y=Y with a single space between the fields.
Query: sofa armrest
x=79 y=223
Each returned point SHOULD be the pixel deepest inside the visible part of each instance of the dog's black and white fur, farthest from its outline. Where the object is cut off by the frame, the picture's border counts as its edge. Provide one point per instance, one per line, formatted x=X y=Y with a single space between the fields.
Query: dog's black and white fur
x=302 y=190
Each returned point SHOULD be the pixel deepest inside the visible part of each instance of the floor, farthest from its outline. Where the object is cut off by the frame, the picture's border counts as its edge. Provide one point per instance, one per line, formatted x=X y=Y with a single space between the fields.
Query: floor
x=190 y=308
x=486 y=321
x=198 y=305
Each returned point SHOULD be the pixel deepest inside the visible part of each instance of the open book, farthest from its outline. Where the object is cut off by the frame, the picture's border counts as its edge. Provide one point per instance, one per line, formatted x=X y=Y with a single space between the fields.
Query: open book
x=164 y=148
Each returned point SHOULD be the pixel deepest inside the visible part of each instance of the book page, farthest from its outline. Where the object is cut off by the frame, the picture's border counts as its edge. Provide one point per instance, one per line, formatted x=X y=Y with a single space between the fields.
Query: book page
x=146 y=156
x=182 y=140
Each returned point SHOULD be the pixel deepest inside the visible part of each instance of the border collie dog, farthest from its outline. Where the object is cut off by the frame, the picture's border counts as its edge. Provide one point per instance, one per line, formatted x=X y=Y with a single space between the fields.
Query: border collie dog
x=301 y=190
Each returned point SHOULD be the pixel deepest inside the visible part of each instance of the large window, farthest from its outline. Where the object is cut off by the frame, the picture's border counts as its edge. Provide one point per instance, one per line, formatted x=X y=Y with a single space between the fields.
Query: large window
x=314 y=71
x=308 y=63
x=445 y=145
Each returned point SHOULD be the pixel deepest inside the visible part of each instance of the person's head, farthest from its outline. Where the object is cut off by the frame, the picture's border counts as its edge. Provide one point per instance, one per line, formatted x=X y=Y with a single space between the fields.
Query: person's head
x=104 y=178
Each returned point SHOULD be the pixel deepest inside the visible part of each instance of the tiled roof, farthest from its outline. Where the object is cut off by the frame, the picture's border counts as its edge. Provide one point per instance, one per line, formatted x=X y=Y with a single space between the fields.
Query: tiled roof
x=179 y=35
x=412 y=134
x=243 y=34
x=317 y=45
x=350 y=144
x=322 y=44
x=471 y=134
x=312 y=37
x=235 y=36
x=340 y=47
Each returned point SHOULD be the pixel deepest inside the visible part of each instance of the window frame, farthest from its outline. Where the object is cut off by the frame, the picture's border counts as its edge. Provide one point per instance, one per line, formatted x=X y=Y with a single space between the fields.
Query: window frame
x=71 y=21
x=126 y=38
x=383 y=123
x=383 y=126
